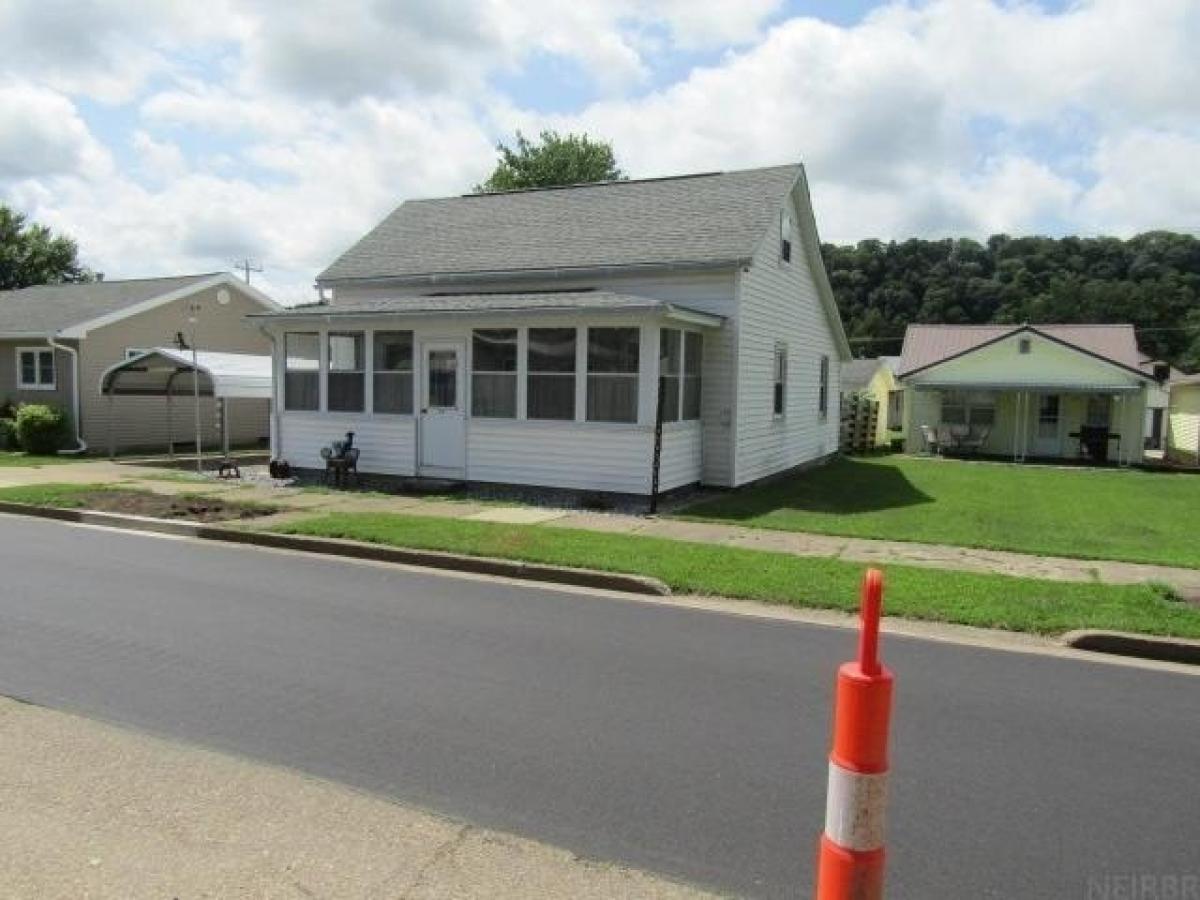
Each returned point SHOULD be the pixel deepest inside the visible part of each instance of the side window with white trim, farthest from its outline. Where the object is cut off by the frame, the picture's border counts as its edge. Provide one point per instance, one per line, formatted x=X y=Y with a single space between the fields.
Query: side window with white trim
x=35 y=369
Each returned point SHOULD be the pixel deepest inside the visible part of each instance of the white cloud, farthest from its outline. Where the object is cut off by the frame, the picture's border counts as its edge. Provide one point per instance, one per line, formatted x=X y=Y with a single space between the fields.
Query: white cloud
x=884 y=113
x=1145 y=180
x=287 y=137
x=41 y=133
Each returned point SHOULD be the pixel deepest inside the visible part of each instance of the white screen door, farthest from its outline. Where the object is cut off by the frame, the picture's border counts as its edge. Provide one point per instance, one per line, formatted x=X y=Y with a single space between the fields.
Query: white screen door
x=1047 y=439
x=443 y=429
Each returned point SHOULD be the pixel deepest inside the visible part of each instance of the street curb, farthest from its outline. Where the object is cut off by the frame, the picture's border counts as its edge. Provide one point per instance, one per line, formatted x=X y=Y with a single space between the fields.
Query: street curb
x=1142 y=646
x=434 y=559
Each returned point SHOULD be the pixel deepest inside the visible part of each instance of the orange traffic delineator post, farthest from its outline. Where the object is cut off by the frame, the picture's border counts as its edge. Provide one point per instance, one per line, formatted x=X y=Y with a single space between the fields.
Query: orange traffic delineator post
x=850 y=864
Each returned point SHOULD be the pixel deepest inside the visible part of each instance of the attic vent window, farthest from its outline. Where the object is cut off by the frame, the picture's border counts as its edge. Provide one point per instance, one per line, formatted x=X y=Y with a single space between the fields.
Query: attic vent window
x=785 y=236
x=1024 y=345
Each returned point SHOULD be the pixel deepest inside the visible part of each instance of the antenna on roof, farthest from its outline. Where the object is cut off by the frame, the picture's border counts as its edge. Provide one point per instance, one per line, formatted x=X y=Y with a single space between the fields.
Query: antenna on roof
x=247 y=266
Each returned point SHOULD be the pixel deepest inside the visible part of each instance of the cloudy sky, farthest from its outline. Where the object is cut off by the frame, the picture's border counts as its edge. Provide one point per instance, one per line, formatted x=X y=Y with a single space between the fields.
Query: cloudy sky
x=178 y=137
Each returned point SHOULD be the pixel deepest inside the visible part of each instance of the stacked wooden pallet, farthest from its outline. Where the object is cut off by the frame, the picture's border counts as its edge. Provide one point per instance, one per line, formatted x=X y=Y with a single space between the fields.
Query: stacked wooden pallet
x=860 y=416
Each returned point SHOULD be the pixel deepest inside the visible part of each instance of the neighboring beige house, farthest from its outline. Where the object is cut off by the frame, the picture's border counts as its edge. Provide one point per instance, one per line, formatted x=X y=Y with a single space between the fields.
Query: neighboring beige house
x=57 y=340
x=523 y=338
x=1026 y=391
x=1183 y=420
x=876 y=378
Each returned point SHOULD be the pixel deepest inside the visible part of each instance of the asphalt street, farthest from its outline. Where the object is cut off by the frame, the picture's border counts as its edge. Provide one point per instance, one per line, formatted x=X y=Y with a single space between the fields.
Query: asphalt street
x=687 y=742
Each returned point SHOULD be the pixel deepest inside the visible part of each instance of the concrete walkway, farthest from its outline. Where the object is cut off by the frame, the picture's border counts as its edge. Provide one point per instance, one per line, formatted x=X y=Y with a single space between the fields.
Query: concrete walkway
x=297 y=503
x=89 y=810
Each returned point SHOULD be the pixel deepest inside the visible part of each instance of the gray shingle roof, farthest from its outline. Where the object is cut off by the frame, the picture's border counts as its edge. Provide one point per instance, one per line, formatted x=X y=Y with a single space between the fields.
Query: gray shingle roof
x=700 y=219
x=857 y=373
x=564 y=301
x=49 y=308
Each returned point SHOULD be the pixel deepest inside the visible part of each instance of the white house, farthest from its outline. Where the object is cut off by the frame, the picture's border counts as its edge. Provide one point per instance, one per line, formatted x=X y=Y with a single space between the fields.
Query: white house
x=522 y=337
x=1027 y=391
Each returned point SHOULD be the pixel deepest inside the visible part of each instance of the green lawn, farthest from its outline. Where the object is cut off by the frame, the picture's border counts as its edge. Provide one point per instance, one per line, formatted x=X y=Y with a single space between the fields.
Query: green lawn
x=1089 y=513
x=992 y=601
x=10 y=458
x=67 y=496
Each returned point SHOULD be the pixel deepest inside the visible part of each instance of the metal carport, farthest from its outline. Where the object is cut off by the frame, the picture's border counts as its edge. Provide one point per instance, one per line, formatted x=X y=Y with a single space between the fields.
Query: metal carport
x=169 y=372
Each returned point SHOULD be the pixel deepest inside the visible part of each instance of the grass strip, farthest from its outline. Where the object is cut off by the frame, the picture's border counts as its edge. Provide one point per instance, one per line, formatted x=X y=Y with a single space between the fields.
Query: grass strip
x=11 y=459
x=992 y=601
x=1118 y=514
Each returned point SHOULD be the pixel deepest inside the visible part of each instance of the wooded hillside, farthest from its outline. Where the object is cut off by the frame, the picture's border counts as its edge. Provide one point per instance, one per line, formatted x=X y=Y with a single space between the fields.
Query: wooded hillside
x=1152 y=281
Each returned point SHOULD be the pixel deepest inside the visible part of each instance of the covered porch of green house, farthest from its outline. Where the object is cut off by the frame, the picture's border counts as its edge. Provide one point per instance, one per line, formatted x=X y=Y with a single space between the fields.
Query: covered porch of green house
x=1087 y=423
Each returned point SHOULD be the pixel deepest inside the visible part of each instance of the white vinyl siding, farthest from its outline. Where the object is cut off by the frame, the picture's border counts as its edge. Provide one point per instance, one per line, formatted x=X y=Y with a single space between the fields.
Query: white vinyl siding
x=778 y=304
x=711 y=292
x=387 y=444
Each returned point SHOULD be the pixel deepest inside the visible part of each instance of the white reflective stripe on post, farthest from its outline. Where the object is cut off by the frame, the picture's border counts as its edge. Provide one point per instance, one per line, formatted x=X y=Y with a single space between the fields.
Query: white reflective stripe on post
x=854 y=808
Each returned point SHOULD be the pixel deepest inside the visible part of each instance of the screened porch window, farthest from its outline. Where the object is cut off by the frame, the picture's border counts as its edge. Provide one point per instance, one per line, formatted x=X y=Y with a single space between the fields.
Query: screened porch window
x=670 y=353
x=612 y=386
x=550 y=383
x=963 y=408
x=1099 y=411
x=393 y=375
x=494 y=373
x=347 y=371
x=301 y=370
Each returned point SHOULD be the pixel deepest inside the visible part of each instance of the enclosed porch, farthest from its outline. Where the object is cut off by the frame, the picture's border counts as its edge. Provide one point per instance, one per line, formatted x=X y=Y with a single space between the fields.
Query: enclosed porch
x=1047 y=422
x=584 y=391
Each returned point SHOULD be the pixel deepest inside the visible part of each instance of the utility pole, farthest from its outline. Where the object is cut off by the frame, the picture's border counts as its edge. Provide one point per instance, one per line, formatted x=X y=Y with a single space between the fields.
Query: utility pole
x=247 y=266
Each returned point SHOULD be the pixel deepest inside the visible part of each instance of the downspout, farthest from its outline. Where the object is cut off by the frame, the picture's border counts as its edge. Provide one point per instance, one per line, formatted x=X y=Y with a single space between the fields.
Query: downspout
x=81 y=444
x=276 y=415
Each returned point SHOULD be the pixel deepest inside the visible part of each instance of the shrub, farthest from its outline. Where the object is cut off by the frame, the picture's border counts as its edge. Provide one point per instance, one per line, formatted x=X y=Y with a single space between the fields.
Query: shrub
x=8 y=434
x=40 y=428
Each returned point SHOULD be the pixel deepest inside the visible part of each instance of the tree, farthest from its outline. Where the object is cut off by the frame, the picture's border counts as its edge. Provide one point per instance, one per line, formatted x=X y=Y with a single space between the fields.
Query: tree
x=1151 y=281
x=554 y=161
x=31 y=254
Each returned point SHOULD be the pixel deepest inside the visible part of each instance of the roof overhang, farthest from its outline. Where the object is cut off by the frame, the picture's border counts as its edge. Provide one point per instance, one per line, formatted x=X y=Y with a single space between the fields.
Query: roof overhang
x=551 y=274
x=669 y=312
x=1032 y=387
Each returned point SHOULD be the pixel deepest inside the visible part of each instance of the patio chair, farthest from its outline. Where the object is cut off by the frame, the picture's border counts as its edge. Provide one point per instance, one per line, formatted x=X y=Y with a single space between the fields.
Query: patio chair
x=932 y=444
x=341 y=460
x=975 y=439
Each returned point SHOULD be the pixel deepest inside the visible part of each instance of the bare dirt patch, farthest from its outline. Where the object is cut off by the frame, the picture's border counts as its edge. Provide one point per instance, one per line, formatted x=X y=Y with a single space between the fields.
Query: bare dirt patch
x=164 y=506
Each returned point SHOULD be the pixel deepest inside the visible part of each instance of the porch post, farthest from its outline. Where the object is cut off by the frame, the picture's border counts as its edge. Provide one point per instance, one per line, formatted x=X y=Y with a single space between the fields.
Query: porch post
x=1123 y=442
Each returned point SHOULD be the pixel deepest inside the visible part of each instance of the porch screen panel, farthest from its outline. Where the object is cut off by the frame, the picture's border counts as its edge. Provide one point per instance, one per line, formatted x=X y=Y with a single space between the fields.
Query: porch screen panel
x=1099 y=411
x=968 y=409
x=494 y=373
x=551 y=380
x=301 y=370
x=612 y=386
x=347 y=372
x=670 y=352
x=393 y=375
x=693 y=349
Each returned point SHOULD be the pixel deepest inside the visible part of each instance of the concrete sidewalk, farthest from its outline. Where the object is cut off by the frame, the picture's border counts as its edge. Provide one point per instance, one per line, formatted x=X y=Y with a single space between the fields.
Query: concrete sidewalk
x=296 y=503
x=90 y=810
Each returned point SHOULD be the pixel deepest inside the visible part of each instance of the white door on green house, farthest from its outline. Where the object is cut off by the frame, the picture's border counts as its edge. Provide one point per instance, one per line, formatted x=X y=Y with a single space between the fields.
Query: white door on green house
x=1047 y=431
x=443 y=421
